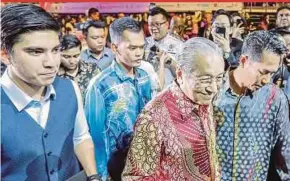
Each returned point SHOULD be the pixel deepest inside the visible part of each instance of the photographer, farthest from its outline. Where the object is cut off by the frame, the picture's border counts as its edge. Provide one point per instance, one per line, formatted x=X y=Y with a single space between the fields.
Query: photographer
x=161 y=41
x=222 y=28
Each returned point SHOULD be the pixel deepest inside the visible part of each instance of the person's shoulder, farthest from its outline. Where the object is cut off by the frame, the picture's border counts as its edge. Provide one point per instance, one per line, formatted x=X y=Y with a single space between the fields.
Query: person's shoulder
x=84 y=54
x=273 y=92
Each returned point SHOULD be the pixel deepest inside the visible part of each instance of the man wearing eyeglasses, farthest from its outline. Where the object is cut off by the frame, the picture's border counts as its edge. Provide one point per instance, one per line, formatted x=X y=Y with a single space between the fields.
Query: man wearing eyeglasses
x=174 y=136
x=161 y=41
x=252 y=114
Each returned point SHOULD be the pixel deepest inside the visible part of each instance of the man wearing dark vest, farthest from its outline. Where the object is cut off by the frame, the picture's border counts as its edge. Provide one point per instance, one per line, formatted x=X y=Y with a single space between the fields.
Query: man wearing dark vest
x=44 y=129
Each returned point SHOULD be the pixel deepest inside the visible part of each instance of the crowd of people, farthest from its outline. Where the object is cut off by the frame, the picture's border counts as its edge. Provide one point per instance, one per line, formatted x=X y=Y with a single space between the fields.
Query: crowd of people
x=144 y=99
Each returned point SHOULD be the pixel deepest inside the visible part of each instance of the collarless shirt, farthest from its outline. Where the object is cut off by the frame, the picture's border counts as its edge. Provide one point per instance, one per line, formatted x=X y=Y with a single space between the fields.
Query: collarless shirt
x=251 y=128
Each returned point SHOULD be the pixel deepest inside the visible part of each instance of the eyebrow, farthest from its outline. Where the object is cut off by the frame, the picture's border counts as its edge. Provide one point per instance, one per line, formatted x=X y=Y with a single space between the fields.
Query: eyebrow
x=39 y=48
x=208 y=75
x=137 y=45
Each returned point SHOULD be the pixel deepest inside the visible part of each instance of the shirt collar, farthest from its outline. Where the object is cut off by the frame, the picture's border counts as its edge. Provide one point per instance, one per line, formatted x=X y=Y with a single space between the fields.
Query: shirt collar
x=19 y=98
x=81 y=65
x=104 y=53
x=121 y=72
x=184 y=104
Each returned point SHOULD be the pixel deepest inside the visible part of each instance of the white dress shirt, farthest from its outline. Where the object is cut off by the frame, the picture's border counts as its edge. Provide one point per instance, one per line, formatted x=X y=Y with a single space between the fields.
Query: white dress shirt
x=39 y=110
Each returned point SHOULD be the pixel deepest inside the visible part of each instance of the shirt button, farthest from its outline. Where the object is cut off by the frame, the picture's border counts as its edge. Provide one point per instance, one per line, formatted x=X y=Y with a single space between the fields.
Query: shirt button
x=45 y=135
x=49 y=153
x=52 y=171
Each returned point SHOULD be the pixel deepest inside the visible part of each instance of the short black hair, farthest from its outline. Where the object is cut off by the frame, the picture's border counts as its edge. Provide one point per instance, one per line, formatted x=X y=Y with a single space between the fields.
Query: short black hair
x=17 y=19
x=92 y=11
x=70 y=41
x=118 y=27
x=222 y=12
x=90 y=23
x=157 y=10
x=281 y=8
x=258 y=41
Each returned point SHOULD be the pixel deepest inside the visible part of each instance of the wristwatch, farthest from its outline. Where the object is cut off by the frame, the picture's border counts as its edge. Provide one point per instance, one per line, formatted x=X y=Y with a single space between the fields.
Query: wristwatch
x=226 y=55
x=95 y=177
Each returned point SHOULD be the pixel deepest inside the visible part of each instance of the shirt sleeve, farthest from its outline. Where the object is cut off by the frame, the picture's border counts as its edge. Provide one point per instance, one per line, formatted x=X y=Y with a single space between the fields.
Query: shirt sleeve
x=281 y=151
x=143 y=160
x=95 y=112
x=81 y=131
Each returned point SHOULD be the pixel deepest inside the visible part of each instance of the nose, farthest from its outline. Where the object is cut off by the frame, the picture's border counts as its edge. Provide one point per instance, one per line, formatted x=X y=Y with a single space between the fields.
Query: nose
x=266 y=79
x=51 y=59
x=153 y=28
x=139 y=52
x=100 y=40
x=212 y=88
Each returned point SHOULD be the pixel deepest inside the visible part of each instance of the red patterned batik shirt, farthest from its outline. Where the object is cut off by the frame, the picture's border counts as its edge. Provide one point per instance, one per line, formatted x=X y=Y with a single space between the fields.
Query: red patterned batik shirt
x=174 y=139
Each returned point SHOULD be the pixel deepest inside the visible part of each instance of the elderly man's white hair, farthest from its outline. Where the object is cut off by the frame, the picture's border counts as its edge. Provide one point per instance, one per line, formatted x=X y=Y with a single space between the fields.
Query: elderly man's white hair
x=188 y=52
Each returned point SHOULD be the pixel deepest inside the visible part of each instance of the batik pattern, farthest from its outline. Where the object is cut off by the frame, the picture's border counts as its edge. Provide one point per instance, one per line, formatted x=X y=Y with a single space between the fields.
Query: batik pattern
x=174 y=139
x=249 y=129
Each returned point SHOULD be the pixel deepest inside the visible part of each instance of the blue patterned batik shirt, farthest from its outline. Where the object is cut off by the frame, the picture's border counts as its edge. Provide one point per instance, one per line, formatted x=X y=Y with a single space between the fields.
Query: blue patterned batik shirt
x=112 y=104
x=249 y=129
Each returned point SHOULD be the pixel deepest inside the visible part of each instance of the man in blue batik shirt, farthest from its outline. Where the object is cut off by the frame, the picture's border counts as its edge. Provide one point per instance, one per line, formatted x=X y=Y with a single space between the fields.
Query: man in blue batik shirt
x=252 y=114
x=116 y=96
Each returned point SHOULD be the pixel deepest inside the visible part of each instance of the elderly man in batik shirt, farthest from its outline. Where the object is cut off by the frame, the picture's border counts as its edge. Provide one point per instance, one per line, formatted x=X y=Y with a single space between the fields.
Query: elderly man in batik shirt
x=174 y=136
x=252 y=115
x=116 y=96
x=72 y=67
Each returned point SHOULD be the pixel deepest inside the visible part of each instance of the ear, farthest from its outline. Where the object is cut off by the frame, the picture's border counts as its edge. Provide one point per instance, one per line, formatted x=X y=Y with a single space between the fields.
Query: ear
x=243 y=60
x=5 y=57
x=114 y=48
x=179 y=75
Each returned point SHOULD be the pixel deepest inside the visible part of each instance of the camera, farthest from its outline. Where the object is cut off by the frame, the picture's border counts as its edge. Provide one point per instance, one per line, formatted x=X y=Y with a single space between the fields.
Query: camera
x=221 y=30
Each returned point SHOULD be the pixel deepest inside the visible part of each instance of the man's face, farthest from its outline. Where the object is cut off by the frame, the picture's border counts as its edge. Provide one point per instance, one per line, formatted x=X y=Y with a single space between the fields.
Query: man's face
x=95 y=16
x=35 y=57
x=203 y=84
x=283 y=18
x=70 y=58
x=96 y=39
x=130 y=50
x=158 y=26
x=260 y=73
x=222 y=21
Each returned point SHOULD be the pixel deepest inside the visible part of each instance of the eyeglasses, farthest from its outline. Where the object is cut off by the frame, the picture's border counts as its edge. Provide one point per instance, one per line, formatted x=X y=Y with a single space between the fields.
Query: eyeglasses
x=157 y=25
x=206 y=81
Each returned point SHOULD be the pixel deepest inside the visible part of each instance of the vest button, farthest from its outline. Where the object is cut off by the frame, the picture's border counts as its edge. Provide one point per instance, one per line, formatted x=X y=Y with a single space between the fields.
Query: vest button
x=52 y=171
x=45 y=135
x=49 y=153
